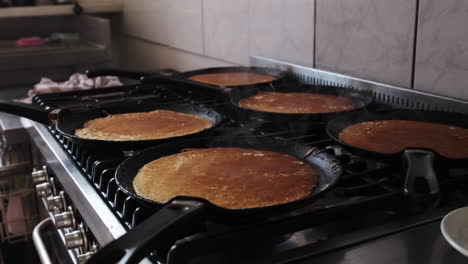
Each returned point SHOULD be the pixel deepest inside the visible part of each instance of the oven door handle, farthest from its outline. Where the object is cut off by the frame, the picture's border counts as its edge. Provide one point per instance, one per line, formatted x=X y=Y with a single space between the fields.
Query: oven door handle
x=39 y=243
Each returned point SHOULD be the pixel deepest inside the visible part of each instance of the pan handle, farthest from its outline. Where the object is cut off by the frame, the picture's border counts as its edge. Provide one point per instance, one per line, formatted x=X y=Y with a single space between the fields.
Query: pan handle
x=420 y=166
x=137 y=75
x=30 y=111
x=170 y=221
x=179 y=81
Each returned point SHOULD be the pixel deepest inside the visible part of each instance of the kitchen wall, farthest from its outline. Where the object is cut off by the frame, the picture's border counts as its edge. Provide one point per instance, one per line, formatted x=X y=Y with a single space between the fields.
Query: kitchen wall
x=420 y=44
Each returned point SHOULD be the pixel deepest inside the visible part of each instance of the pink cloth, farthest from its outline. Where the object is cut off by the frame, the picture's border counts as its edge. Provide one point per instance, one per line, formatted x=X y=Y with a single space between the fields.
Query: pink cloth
x=77 y=81
x=30 y=42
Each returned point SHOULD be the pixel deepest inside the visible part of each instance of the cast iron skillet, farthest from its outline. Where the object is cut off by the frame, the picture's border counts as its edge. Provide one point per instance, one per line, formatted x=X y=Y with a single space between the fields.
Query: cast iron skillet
x=419 y=162
x=361 y=100
x=280 y=75
x=182 y=79
x=237 y=93
x=68 y=120
x=177 y=215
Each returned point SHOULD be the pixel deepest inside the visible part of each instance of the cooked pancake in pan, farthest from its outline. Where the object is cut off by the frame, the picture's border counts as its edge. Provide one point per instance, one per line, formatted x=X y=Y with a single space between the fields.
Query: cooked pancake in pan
x=393 y=136
x=232 y=78
x=233 y=178
x=156 y=124
x=297 y=103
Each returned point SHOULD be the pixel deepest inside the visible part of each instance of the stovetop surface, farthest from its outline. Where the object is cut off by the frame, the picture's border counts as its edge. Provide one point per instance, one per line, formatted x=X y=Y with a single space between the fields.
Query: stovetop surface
x=367 y=205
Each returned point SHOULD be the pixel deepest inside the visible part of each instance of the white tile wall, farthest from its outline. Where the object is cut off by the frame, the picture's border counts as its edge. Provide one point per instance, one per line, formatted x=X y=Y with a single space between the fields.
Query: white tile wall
x=282 y=29
x=176 y=23
x=136 y=14
x=148 y=56
x=442 y=48
x=226 y=29
x=371 y=39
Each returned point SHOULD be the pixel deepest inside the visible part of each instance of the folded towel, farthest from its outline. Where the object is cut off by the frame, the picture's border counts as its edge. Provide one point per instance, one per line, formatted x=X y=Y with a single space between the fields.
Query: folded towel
x=77 y=81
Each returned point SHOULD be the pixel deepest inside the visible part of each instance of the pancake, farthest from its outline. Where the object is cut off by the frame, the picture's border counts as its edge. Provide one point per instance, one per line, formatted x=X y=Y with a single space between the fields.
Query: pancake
x=297 y=103
x=392 y=136
x=233 y=178
x=156 y=124
x=232 y=78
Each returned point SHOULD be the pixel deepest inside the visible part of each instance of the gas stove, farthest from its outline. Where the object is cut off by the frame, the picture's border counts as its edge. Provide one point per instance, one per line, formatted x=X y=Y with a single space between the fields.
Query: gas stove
x=368 y=204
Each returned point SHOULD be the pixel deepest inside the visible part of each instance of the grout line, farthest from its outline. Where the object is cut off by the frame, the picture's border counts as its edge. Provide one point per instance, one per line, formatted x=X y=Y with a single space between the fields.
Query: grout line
x=203 y=25
x=415 y=42
x=314 y=45
x=249 y=32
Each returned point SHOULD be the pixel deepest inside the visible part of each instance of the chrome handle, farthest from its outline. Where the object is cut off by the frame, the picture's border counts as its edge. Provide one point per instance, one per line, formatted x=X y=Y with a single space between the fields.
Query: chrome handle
x=38 y=242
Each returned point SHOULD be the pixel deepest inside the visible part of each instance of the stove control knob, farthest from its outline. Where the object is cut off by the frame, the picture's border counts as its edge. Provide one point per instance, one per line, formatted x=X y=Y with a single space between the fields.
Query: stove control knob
x=76 y=239
x=57 y=201
x=82 y=258
x=44 y=189
x=65 y=219
x=40 y=176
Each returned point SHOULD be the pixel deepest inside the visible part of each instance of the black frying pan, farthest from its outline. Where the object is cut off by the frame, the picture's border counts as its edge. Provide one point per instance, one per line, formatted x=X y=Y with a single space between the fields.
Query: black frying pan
x=237 y=93
x=280 y=75
x=177 y=215
x=68 y=120
x=419 y=162
x=183 y=78
x=360 y=99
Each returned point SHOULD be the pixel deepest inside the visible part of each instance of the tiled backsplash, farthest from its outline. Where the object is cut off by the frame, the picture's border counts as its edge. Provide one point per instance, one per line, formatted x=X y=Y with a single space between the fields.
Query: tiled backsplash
x=282 y=29
x=371 y=39
x=442 y=48
x=226 y=30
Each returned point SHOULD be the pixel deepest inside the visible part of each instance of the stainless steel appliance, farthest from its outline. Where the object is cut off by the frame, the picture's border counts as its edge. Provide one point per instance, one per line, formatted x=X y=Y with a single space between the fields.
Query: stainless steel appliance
x=365 y=219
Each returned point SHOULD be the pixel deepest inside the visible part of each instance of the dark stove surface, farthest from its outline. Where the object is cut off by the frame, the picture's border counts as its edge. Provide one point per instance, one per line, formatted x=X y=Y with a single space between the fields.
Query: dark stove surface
x=365 y=208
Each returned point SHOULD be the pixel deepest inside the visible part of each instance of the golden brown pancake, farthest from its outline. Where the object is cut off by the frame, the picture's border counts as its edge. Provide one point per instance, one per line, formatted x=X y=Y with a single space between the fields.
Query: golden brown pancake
x=232 y=78
x=392 y=136
x=297 y=103
x=157 y=124
x=233 y=178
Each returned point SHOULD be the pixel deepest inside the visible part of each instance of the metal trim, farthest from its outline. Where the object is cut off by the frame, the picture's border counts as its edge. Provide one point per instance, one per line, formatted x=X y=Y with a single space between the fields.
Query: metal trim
x=99 y=218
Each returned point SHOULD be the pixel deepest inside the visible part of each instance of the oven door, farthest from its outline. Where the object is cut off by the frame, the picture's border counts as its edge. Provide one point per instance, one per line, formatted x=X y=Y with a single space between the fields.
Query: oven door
x=49 y=245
